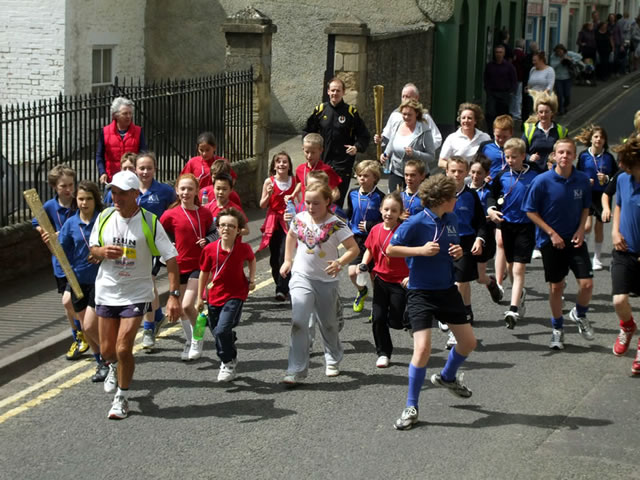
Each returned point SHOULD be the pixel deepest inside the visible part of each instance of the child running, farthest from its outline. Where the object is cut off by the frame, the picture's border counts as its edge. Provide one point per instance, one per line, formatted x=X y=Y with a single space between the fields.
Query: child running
x=200 y=166
x=600 y=166
x=314 y=282
x=188 y=225
x=224 y=260
x=363 y=212
x=207 y=193
x=430 y=243
x=508 y=190
x=414 y=174
x=494 y=149
x=62 y=206
x=222 y=187
x=74 y=239
x=390 y=277
x=274 y=230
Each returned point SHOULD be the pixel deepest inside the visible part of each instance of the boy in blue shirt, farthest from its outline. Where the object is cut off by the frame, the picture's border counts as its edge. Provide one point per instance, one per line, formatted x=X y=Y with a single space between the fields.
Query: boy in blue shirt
x=558 y=203
x=429 y=242
x=363 y=212
x=625 y=233
x=494 y=149
x=508 y=190
x=414 y=174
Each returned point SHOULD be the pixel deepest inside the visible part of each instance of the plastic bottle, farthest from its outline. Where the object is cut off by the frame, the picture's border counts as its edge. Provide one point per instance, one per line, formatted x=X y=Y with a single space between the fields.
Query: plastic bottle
x=205 y=198
x=363 y=273
x=201 y=325
x=291 y=208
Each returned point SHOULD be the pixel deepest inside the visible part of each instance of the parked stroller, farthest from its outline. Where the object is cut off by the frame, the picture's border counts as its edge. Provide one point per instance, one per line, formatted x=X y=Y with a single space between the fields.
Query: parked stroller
x=582 y=72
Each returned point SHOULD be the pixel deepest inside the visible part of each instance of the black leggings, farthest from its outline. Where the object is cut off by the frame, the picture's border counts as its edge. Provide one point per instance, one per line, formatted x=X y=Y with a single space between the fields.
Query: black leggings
x=389 y=301
x=276 y=247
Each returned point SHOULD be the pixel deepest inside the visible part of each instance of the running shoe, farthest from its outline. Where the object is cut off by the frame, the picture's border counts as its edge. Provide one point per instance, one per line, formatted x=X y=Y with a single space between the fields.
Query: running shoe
x=443 y=327
x=119 y=408
x=621 y=345
x=148 y=339
x=186 y=348
x=83 y=346
x=456 y=387
x=102 y=371
x=358 y=303
x=635 y=367
x=111 y=382
x=227 y=371
x=584 y=327
x=522 y=309
x=511 y=319
x=451 y=341
x=496 y=291
x=195 y=352
x=557 y=339
x=74 y=352
x=382 y=362
x=408 y=419
x=292 y=379
x=536 y=254
x=280 y=297
x=596 y=264
x=332 y=370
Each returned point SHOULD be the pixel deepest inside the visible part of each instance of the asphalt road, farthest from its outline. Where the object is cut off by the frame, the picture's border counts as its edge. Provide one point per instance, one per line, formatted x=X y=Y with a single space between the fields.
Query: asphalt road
x=535 y=413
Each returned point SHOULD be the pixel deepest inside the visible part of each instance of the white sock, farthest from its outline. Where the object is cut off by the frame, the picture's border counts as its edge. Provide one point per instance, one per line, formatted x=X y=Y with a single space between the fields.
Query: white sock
x=186 y=328
x=120 y=392
x=598 y=249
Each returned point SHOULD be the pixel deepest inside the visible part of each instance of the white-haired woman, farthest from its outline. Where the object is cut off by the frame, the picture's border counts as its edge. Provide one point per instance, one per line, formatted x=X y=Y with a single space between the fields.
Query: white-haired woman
x=117 y=138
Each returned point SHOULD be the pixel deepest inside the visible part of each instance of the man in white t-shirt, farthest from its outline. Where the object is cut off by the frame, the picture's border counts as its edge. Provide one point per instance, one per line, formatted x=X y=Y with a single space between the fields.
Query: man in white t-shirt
x=125 y=238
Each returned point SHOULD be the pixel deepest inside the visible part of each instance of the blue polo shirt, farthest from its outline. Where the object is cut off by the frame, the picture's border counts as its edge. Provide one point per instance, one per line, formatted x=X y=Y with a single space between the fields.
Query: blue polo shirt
x=58 y=215
x=429 y=273
x=364 y=207
x=591 y=165
x=512 y=187
x=412 y=203
x=483 y=194
x=74 y=238
x=465 y=209
x=559 y=201
x=155 y=200
x=628 y=199
x=493 y=152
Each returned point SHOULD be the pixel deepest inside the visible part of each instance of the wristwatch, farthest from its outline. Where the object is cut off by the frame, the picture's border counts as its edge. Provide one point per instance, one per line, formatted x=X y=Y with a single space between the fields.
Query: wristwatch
x=174 y=293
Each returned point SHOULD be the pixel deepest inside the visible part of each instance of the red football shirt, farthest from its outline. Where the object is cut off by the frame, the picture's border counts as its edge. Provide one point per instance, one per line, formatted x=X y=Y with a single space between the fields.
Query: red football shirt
x=182 y=225
x=392 y=270
x=227 y=277
x=304 y=169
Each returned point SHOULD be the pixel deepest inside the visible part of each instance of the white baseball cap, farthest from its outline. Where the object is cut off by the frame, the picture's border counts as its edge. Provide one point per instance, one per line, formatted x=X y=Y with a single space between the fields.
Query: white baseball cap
x=125 y=180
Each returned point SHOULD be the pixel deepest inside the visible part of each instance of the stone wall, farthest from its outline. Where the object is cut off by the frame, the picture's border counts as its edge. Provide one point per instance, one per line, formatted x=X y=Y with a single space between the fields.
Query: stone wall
x=31 y=49
x=21 y=251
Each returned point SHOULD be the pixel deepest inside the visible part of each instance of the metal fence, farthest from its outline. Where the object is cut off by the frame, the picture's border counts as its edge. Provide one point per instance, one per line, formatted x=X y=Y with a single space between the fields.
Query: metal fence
x=36 y=136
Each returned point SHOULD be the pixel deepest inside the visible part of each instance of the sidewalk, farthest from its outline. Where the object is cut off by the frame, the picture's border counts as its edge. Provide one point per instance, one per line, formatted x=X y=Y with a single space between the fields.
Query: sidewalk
x=33 y=328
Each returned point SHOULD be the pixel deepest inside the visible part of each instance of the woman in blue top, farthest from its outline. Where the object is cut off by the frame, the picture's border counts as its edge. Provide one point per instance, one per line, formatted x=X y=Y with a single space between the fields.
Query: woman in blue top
x=74 y=239
x=600 y=166
x=540 y=131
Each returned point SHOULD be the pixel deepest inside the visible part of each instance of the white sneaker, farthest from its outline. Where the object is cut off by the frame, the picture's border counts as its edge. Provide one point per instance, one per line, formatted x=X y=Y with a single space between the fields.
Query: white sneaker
x=596 y=264
x=536 y=254
x=332 y=370
x=186 y=348
x=292 y=379
x=195 y=352
x=443 y=327
x=584 y=326
x=148 y=339
x=119 y=408
x=451 y=341
x=511 y=319
x=382 y=362
x=227 y=371
x=111 y=382
x=557 y=340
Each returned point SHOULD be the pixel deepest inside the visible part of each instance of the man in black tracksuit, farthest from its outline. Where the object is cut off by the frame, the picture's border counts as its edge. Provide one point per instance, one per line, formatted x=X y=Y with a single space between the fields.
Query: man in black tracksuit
x=343 y=131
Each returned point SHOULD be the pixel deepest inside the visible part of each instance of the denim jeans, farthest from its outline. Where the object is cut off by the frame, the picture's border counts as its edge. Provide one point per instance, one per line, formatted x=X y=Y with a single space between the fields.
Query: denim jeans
x=222 y=321
x=563 y=90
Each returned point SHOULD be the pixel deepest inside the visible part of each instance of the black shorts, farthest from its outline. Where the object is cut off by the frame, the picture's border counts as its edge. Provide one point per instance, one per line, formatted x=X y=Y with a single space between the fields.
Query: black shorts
x=557 y=262
x=489 y=248
x=625 y=273
x=184 y=277
x=88 y=299
x=519 y=240
x=123 y=311
x=467 y=265
x=596 y=205
x=61 y=283
x=360 y=239
x=423 y=306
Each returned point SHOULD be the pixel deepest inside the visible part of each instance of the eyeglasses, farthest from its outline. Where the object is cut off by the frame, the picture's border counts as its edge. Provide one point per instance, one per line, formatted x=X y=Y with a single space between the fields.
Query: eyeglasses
x=227 y=225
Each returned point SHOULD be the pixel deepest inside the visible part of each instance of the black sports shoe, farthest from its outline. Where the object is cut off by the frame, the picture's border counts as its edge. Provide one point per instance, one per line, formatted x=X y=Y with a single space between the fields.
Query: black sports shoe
x=495 y=290
x=102 y=371
x=408 y=419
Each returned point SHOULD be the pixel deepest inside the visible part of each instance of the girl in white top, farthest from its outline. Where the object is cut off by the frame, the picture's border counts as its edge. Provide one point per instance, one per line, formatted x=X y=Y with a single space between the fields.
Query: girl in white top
x=465 y=141
x=314 y=282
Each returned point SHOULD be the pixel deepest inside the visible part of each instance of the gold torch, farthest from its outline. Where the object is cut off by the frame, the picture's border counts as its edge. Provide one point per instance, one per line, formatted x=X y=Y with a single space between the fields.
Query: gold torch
x=378 y=99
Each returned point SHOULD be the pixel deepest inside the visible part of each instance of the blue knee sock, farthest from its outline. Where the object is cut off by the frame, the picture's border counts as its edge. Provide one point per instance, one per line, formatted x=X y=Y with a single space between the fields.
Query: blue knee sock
x=582 y=311
x=97 y=358
x=74 y=334
x=158 y=315
x=148 y=325
x=557 y=323
x=450 y=369
x=416 y=380
x=78 y=325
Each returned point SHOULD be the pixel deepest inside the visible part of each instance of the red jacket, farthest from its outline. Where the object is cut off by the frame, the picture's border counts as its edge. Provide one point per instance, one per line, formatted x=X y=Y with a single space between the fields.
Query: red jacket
x=116 y=146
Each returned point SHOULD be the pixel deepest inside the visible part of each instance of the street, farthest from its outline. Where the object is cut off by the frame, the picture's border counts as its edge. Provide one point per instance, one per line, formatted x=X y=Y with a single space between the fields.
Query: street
x=535 y=413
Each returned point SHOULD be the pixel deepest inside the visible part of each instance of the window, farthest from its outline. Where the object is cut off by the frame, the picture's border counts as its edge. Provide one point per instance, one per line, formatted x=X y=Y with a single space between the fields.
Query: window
x=101 y=68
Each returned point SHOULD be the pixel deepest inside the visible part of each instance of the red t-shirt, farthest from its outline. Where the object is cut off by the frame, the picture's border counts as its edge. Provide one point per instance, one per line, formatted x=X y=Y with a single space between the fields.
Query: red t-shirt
x=304 y=169
x=213 y=207
x=183 y=224
x=230 y=281
x=202 y=169
x=392 y=270
x=233 y=196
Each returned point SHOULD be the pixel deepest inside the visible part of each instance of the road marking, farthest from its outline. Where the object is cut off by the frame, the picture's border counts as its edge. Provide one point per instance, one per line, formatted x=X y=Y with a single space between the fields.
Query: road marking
x=55 y=391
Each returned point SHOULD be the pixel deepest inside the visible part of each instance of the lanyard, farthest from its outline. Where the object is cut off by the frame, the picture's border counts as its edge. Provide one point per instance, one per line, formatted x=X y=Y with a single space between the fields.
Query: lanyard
x=66 y=216
x=193 y=227
x=219 y=269
x=436 y=237
x=123 y=236
x=83 y=236
x=386 y=240
x=503 y=161
x=411 y=198
x=368 y=197
x=595 y=161
x=513 y=184
x=304 y=180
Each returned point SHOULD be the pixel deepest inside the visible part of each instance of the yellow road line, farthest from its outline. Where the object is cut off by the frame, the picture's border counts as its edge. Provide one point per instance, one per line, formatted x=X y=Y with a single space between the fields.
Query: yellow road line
x=49 y=394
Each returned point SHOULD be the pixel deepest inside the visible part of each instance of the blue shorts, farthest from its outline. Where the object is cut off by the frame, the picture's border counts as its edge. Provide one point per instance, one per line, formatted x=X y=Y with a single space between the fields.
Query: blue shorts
x=123 y=311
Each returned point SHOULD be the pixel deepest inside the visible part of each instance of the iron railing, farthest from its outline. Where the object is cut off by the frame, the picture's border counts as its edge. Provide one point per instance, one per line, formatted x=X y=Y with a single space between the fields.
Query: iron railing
x=37 y=135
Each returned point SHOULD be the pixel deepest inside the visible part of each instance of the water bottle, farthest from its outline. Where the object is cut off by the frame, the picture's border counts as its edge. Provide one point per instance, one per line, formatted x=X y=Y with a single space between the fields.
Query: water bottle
x=205 y=197
x=363 y=273
x=291 y=208
x=201 y=325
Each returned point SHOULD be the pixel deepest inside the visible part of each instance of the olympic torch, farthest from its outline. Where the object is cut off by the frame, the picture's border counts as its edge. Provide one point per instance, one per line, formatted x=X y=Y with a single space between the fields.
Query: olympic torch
x=378 y=99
